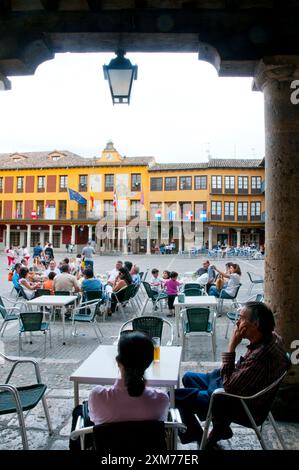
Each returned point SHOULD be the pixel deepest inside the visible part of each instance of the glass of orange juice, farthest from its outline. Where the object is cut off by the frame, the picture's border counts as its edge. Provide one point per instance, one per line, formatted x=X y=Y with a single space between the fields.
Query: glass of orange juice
x=157 y=344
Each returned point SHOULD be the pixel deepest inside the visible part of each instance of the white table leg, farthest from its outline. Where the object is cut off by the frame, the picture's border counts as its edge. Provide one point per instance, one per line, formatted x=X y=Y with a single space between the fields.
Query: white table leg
x=177 y=319
x=63 y=324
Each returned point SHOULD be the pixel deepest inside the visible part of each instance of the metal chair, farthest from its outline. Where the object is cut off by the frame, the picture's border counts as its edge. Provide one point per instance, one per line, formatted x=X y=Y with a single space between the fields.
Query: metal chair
x=192 y=291
x=255 y=280
x=129 y=437
x=192 y=285
x=152 y=295
x=252 y=422
x=8 y=313
x=40 y=292
x=81 y=315
x=195 y=322
x=33 y=321
x=152 y=326
x=127 y=295
x=233 y=299
x=19 y=399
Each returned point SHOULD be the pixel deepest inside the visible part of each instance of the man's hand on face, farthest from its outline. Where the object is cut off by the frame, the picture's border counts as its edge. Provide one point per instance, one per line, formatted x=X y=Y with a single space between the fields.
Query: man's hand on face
x=236 y=339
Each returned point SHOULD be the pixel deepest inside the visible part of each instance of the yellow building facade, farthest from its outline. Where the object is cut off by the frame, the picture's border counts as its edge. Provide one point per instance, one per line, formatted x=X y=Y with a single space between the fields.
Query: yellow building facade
x=129 y=204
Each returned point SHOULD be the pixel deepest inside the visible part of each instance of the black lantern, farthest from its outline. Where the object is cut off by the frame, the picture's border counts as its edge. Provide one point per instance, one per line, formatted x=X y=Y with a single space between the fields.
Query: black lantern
x=120 y=73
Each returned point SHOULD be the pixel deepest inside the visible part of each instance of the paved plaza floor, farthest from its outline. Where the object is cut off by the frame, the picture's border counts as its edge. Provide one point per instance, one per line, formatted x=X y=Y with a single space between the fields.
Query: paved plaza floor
x=61 y=360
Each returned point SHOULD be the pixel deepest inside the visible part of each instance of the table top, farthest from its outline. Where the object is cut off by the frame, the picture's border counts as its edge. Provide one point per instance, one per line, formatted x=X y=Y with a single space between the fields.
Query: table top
x=101 y=368
x=53 y=300
x=196 y=300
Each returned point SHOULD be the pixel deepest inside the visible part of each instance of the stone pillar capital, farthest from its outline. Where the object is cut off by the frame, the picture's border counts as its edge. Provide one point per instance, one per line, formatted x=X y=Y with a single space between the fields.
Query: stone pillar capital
x=275 y=68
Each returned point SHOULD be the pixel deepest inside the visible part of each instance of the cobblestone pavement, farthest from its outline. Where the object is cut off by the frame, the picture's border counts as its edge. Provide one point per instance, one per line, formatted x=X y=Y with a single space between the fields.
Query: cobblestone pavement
x=61 y=361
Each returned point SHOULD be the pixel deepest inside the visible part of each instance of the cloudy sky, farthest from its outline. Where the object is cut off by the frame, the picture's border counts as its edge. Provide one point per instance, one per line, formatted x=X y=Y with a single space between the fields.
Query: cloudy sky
x=180 y=110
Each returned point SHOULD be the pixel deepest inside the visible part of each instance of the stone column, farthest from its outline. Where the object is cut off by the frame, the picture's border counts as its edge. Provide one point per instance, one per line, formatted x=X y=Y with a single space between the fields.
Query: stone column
x=125 y=241
x=274 y=78
x=28 y=236
x=210 y=229
x=50 y=233
x=119 y=234
x=73 y=235
x=238 y=237
x=180 y=238
x=148 y=240
x=89 y=232
x=7 y=235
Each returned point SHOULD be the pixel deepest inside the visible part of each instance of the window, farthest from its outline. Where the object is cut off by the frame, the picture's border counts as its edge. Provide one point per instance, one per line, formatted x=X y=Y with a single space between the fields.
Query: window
x=156 y=211
x=256 y=184
x=216 y=210
x=63 y=183
x=41 y=184
x=229 y=184
x=62 y=209
x=200 y=211
x=0 y=209
x=185 y=182
x=243 y=184
x=200 y=182
x=136 y=182
x=229 y=210
x=216 y=184
x=109 y=182
x=82 y=183
x=1 y=184
x=255 y=211
x=40 y=209
x=56 y=239
x=242 y=210
x=156 y=184
x=35 y=238
x=15 y=238
x=135 y=208
x=19 y=209
x=108 y=208
x=81 y=211
x=170 y=184
x=20 y=184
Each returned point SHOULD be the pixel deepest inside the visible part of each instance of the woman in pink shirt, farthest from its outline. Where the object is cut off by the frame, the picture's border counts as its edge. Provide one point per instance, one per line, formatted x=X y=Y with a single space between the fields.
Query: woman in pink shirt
x=171 y=287
x=129 y=399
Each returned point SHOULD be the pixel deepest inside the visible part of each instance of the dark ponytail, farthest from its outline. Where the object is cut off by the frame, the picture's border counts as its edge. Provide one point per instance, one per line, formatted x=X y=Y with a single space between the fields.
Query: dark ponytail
x=135 y=353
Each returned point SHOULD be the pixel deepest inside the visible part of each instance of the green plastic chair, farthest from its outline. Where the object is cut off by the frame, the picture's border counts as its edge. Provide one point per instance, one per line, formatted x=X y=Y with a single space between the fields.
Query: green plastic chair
x=152 y=295
x=86 y=313
x=195 y=322
x=152 y=326
x=8 y=313
x=30 y=322
x=19 y=399
x=192 y=292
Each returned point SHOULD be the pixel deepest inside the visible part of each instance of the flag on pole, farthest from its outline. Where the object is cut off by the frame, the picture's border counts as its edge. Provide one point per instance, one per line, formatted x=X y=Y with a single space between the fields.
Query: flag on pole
x=158 y=215
x=74 y=196
x=115 y=201
x=171 y=215
x=189 y=215
x=91 y=200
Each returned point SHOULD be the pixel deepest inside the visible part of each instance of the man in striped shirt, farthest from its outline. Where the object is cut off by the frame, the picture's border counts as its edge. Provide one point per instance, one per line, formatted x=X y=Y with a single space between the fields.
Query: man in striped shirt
x=264 y=362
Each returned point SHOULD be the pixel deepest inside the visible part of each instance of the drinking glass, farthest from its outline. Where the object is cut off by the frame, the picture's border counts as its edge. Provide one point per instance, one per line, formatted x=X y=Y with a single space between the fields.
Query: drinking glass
x=157 y=344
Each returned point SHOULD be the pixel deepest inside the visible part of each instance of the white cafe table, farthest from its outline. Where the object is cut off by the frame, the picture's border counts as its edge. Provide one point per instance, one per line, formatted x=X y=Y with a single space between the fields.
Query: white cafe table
x=100 y=368
x=192 y=301
x=54 y=301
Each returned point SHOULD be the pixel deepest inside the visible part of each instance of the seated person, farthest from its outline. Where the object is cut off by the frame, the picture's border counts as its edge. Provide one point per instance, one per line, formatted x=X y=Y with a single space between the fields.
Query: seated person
x=90 y=282
x=264 y=362
x=234 y=278
x=165 y=276
x=66 y=281
x=49 y=283
x=114 y=273
x=129 y=399
x=16 y=276
x=128 y=265
x=52 y=267
x=38 y=266
x=135 y=275
x=28 y=287
x=206 y=274
x=122 y=281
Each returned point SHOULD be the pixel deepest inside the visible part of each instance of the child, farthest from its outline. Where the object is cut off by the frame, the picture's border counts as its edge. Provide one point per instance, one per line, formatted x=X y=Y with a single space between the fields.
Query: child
x=49 y=283
x=171 y=287
x=156 y=281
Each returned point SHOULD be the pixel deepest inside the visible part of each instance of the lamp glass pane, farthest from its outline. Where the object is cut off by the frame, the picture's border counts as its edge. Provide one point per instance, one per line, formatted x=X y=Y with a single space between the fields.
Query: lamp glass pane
x=120 y=81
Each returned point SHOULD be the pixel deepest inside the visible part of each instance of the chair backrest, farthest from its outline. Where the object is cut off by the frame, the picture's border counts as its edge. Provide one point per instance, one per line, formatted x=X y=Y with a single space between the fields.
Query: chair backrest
x=250 y=276
x=129 y=437
x=3 y=310
x=31 y=321
x=62 y=292
x=192 y=285
x=148 y=290
x=192 y=292
x=40 y=292
x=152 y=326
x=93 y=295
x=259 y=297
x=21 y=293
x=198 y=319
x=141 y=274
x=128 y=292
